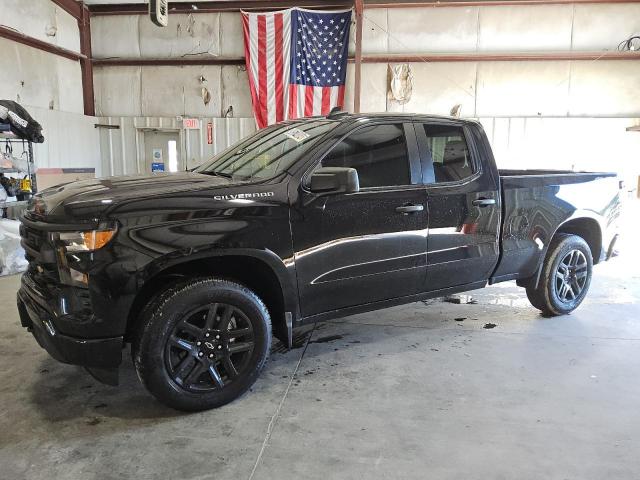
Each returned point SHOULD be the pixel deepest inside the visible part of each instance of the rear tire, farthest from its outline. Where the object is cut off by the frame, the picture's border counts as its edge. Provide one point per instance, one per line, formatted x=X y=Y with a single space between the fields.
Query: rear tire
x=202 y=343
x=566 y=276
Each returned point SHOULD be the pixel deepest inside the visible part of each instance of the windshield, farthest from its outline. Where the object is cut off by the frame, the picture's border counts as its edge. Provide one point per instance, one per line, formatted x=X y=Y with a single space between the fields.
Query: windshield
x=268 y=152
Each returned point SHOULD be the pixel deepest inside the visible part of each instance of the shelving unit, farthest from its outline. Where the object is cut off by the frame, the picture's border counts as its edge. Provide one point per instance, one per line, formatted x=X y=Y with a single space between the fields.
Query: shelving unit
x=8 y=136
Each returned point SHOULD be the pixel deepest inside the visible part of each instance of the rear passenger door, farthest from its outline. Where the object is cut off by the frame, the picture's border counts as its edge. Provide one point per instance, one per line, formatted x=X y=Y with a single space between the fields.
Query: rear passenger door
x=357 y=248
x=464 y=207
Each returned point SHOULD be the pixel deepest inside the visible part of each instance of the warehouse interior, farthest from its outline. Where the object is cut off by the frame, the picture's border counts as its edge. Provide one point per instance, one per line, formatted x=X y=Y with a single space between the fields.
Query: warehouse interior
x=479 y=385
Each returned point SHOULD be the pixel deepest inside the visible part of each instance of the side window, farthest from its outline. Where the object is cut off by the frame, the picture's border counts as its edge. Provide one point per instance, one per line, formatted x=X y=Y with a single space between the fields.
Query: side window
x=449 y=151
x=377 y=152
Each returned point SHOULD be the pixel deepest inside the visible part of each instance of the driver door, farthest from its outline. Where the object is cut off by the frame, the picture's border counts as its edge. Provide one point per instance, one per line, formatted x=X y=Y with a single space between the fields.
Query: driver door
x=357 y=248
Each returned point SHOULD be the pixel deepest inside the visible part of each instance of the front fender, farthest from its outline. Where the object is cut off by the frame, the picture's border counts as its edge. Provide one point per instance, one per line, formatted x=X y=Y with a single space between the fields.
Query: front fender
x=284 y=269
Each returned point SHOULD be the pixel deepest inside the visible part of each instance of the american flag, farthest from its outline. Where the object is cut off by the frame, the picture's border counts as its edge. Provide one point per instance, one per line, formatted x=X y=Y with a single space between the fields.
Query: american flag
x=297 y=62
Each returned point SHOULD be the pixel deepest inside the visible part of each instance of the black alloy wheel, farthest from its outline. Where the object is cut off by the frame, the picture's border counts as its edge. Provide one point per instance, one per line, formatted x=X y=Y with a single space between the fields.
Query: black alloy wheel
x=571 y=276
x=209 y=347
x=565 y=277
x=202 y=343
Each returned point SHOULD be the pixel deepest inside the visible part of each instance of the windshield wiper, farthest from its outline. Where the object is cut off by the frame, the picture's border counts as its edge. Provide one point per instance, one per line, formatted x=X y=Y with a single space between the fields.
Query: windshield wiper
x=218 y=174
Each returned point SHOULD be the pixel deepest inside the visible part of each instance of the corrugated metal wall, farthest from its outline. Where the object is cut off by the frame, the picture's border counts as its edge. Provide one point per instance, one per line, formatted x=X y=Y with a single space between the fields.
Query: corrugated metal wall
x=123 y=150
x=518 y=142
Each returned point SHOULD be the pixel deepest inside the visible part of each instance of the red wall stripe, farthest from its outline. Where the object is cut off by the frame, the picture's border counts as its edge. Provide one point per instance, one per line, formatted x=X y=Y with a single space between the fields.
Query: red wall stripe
x=293 y=100
x=247 y=57
x=341 y=96
x=326 y=100
x=278 y=27
x=308 y=101
x=262 y=70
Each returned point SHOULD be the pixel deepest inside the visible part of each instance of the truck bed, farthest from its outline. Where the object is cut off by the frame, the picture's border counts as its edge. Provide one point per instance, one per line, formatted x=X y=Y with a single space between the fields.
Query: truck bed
x=535 y=203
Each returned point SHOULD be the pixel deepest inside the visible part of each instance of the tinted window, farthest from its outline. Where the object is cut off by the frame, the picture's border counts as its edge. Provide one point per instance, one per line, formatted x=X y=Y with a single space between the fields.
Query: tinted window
x=451 y=157
x=267 y=152
x=377 y=152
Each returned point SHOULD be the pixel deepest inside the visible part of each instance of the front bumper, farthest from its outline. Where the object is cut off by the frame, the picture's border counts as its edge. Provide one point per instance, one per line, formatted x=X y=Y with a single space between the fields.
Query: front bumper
x=38 y=316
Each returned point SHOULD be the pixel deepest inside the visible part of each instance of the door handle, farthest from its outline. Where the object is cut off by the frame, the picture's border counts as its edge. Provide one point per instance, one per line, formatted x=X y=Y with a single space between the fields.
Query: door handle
x=405 y=209
x=484 y=202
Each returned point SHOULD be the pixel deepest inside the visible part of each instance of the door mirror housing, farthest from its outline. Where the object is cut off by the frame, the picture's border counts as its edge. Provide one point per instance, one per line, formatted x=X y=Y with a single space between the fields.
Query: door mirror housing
x=334 y=180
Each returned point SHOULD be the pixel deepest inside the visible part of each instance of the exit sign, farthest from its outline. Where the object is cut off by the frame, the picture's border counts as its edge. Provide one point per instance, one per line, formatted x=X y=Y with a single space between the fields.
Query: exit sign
x=191 y=123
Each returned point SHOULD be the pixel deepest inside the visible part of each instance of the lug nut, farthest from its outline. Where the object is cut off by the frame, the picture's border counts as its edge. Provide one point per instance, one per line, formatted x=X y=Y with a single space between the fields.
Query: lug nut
x=211 y=355
x=219 y=347
x=217 y=337
x=206 y=334
x=198 y=343
x=200 y=354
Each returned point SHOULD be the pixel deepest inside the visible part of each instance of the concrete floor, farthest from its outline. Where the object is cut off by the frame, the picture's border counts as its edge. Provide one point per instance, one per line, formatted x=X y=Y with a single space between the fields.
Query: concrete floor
x=408 y=392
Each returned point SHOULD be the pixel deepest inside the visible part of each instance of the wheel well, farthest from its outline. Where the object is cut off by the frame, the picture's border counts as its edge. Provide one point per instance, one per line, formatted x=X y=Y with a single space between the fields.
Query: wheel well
x=589 y=230
x=251 y=272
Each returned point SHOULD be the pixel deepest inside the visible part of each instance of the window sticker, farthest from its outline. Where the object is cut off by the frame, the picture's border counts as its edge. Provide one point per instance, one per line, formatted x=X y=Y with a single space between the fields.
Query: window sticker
x=297 y=135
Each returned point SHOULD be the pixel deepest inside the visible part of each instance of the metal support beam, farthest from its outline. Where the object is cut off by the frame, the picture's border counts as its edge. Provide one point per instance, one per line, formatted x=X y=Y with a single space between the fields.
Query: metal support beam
x=86 y=65
x=72 y=7
x=400 y=58
x=219 y=6
x=482 y=3
x=18 y=37
x=268 y=5
x=165 y=62
x=357 y=79
x=500 y=57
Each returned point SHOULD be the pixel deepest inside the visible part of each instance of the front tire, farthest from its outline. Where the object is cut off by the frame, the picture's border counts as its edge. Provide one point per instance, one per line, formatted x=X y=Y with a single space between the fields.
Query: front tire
x=202 y=344
x=566 y=276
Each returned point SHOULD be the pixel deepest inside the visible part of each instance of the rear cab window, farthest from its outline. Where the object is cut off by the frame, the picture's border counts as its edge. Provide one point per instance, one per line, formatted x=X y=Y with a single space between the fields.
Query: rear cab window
x=449 y=152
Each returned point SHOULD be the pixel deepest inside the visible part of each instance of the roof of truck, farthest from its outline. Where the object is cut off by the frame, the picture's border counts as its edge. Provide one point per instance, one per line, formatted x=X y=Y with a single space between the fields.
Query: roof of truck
x=392 y=115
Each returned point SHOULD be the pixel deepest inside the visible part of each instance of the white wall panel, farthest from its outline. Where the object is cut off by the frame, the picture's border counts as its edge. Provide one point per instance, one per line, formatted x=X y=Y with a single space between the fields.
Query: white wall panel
x=525 y=28
x=115 y=36
x=39 y=79
x=41 y=19
x=168 y=91
x=71 y=140
x=522 y=89
x=414 y=30
x=117 y=91
x=186 y=35
x=606 y=86
x=375 y=38
x=231 y=35
x=374 y=88
x=599 y=27
x=438 y=87
x=235 y=91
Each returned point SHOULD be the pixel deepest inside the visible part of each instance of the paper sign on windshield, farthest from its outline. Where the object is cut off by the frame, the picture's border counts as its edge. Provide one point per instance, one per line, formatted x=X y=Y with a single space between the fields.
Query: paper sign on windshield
x=297 y=135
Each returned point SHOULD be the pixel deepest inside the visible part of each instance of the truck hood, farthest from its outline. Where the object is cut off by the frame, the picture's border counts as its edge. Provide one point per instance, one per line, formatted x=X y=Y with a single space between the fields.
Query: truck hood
x=90 y=199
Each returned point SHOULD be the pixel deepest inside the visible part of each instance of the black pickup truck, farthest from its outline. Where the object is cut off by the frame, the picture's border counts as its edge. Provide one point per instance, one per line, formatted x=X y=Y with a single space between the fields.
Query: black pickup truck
x=301 y=222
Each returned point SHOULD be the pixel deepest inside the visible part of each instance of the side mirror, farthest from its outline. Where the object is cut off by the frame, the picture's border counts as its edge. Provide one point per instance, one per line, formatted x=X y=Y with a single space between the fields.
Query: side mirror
x=334 y=180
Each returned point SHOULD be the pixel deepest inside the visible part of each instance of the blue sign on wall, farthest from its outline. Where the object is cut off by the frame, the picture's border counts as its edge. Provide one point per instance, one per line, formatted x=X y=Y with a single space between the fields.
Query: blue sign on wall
x=157 y=167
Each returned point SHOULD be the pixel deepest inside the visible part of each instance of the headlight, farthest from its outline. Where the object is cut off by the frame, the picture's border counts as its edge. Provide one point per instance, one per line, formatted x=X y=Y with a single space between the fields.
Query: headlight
x=84 y=241
x=70 y=267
